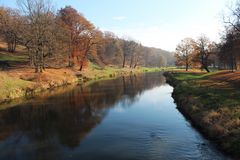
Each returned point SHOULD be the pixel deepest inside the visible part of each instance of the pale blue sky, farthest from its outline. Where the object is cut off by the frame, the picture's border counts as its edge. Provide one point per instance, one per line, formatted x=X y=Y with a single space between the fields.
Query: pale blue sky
x=155 y=23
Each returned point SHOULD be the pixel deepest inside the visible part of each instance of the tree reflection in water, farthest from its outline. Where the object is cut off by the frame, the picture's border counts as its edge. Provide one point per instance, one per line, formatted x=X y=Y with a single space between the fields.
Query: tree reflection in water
x=41 y=130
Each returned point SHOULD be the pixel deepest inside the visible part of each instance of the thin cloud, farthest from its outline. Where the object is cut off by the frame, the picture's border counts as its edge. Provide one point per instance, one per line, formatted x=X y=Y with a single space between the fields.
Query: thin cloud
x=119 y=18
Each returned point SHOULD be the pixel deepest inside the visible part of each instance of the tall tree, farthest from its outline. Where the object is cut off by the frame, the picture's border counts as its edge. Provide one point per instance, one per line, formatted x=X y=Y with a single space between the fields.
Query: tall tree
x=203 y=51
x=229 y=49
x=233 y=25
x=138 y=56
x=82 y=34
x=128 y=49
x=39 y=28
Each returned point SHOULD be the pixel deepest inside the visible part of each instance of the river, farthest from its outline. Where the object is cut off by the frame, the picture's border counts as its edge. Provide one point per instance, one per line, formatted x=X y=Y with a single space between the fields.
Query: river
x=129 y=118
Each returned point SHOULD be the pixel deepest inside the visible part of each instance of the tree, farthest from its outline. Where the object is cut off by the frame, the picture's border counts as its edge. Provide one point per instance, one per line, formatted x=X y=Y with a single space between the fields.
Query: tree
x=110 y=49
x=68 y=18
x=82 y=34
x=203 y=51
x=184 y=52
x=162 y=61
x=88 y=40
x=128 y=49
x=229 y=50
x=134 y=55
x=139 y=51
x=39 y=28
x=233 y=32
x=9 y=27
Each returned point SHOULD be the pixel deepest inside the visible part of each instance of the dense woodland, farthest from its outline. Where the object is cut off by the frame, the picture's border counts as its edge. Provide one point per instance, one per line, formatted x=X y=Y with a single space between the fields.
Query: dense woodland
x=65 y=38
x=202 y=53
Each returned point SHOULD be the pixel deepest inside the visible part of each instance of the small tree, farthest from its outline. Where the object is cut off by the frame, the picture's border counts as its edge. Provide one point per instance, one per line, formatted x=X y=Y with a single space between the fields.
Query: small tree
x=184 y=52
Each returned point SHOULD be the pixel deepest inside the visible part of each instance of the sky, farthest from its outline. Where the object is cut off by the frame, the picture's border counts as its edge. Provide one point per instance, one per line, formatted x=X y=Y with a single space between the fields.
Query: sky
x=154 y=23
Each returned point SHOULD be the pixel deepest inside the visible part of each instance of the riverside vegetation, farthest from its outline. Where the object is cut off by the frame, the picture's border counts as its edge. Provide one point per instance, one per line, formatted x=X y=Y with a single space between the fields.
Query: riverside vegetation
x=20 y=80
x=211 y=101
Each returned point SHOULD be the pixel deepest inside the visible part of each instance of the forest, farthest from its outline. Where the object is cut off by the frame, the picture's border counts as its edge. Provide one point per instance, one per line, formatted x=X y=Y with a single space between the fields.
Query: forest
x=65 y=38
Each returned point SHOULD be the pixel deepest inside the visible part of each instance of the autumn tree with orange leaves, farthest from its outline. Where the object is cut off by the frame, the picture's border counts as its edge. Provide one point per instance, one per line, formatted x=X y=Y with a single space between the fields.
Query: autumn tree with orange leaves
x=184 y=52
x=82 y=35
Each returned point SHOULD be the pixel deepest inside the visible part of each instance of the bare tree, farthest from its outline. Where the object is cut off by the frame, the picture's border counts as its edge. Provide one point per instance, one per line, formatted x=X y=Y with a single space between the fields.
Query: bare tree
x=128 y=46
x=138 y=55
x=203 y=45
x=38 y=35
x=231 y=41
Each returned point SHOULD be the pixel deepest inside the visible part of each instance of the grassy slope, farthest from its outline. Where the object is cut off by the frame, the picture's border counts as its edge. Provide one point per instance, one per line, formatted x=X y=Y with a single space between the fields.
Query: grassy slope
x=10 y=87
x=20 y=55
x=213 y=104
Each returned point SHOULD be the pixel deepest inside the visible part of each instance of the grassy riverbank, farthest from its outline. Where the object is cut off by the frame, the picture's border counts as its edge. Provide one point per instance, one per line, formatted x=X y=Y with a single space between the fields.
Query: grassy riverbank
x=20 y=82
x=212 y=102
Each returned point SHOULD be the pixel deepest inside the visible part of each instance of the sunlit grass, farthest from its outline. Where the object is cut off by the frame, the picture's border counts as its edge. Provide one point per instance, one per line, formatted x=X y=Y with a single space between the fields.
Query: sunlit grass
x=193 y=75
x=10 y=86
x=213 y=104
x=13 y=58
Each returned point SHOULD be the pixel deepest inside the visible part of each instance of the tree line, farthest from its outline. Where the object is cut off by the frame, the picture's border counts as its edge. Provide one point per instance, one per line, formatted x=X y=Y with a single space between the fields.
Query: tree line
x=202 y=53
x=66 y=38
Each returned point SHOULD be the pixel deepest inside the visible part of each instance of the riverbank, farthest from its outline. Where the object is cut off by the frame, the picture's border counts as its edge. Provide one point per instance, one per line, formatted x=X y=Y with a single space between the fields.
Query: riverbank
x=211 y=102
x=21 y=82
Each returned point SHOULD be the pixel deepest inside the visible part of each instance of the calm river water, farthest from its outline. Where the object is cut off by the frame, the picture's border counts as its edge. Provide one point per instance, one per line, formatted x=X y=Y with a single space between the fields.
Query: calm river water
x=129 y=118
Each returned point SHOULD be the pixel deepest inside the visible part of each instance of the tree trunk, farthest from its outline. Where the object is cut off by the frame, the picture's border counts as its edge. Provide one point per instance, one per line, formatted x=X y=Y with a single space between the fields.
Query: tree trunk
x=124 y=59
x=81 y=67
x=206 y=68
x=135 y=66
x=232 y=63
x=131 y=62
x=42 y=62
x=12 y=45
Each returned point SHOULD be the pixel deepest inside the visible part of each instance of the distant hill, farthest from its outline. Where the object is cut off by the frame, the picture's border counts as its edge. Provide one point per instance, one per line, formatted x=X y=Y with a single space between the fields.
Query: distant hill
x=168 y=56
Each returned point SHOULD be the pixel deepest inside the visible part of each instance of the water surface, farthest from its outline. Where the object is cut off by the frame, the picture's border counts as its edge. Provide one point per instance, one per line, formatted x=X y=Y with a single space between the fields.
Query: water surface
x=130 y=118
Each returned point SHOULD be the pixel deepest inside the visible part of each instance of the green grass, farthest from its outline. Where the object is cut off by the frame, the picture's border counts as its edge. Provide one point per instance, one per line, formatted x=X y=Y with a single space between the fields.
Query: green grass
x=212 y=97
x=19 y=58
x=93 y=66
x=97 y=71
x=192 y=76
x=11 y=86
x=215 y=108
